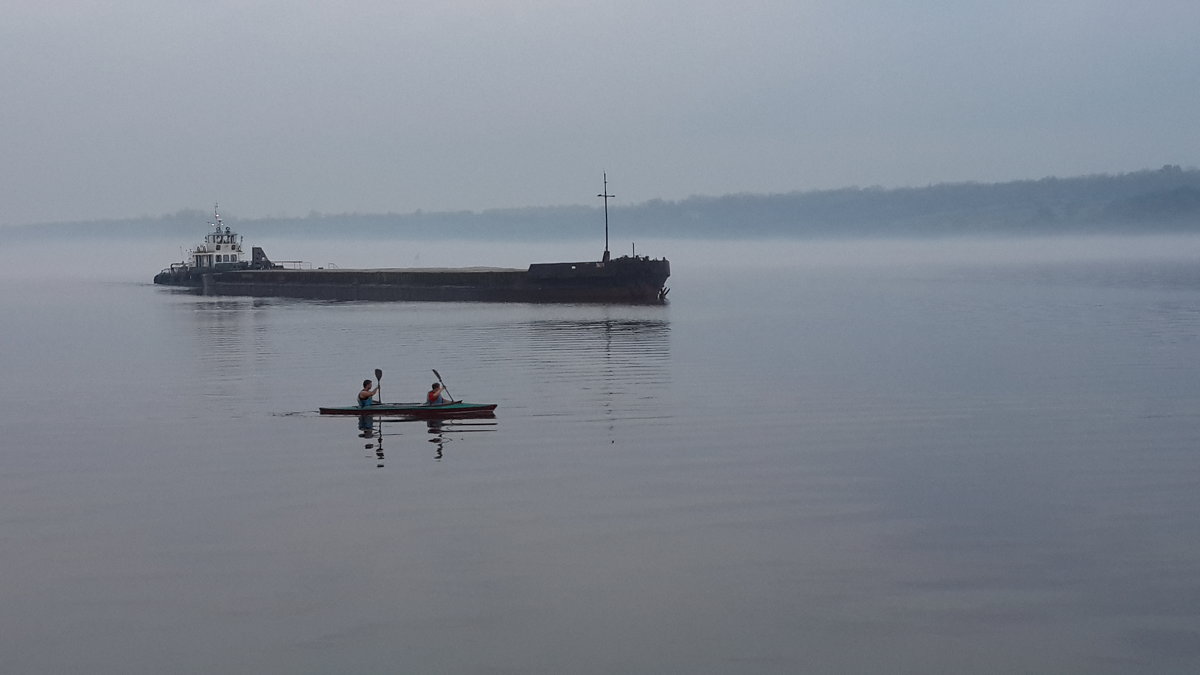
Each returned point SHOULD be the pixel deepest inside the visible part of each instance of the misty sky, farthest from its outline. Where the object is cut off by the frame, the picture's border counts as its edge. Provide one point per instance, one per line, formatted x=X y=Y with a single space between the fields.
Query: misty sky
x=143 y=107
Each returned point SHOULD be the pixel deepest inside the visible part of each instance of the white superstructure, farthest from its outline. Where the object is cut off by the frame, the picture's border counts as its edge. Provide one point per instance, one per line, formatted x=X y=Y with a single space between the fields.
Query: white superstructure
x=220 y=247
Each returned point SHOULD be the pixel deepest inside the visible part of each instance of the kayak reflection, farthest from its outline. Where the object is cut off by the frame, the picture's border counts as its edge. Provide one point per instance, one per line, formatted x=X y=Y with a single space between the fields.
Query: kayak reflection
x=440 y=431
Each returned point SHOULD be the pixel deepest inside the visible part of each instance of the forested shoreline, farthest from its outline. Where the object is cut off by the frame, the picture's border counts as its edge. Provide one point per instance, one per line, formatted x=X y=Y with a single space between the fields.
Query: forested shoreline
x=1165 y=200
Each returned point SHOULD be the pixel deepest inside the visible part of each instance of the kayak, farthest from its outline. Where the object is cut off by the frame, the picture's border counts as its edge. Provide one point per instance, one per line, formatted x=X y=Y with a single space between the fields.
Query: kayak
x=458 y=409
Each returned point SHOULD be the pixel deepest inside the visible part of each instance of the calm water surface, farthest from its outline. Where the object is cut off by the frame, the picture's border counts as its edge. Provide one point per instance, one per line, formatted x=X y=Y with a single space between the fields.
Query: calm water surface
x=894 y=467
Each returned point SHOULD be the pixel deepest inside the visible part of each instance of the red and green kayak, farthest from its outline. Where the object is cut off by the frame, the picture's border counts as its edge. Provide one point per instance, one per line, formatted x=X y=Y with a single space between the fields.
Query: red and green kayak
x=457 y=409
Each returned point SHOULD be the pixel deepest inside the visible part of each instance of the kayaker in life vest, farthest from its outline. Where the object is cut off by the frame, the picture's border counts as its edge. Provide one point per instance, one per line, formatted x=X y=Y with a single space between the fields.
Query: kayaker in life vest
x=434 y=397
x=366 y=397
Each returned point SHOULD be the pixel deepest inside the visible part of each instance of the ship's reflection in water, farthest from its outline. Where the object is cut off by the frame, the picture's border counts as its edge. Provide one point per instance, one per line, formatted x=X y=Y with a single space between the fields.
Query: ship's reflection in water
x=575 y=368
x=440 y=431
x=232 y=339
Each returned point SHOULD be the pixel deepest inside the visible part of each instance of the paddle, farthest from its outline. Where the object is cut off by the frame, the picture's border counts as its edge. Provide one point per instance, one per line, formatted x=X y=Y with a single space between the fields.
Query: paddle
x=379 y=384
x=439 y=377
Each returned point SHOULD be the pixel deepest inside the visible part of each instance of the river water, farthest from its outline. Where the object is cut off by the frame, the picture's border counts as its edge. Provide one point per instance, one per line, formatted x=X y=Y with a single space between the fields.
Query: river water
x=855 y=457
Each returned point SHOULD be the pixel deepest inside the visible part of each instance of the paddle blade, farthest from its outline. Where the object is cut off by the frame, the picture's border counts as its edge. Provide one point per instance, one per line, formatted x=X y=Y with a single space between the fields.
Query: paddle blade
x=378 y=374
x=439 y=377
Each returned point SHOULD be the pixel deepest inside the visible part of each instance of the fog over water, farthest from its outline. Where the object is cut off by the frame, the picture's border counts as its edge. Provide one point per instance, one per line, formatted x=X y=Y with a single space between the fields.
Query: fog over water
x=134 y=260
x=855 y=456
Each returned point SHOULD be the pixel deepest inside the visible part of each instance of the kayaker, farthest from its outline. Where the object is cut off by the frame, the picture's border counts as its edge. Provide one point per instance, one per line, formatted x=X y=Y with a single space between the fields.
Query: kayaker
x=434 y=397
x=366 y=397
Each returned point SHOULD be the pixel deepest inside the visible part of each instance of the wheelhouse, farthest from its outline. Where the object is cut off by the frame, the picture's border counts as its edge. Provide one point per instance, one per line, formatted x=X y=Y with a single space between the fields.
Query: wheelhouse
x=221 y=248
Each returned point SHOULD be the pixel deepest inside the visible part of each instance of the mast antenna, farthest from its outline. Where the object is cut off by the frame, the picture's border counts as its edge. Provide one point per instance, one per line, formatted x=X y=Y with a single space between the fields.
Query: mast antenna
x=606 y=197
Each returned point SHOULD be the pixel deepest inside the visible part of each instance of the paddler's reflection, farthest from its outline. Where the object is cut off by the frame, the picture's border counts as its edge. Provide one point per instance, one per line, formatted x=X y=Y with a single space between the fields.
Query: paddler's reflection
x=435 y=428
x=366 y=429
x=440 y=432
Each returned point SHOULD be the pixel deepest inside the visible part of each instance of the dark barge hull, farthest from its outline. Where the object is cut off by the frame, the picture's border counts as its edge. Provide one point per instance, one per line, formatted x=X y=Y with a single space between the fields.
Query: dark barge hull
x=619 y=280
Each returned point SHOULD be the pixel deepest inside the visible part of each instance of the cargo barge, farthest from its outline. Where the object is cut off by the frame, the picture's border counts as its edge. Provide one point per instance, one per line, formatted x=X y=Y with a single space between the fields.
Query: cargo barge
x=218 y=266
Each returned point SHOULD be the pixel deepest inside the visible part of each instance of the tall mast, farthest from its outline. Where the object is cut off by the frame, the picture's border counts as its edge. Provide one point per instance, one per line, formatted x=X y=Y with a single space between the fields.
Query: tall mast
x=606 y=197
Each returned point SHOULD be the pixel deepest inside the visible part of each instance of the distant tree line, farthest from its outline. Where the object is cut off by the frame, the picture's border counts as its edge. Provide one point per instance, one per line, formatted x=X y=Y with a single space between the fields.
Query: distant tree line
x=1152 y=201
